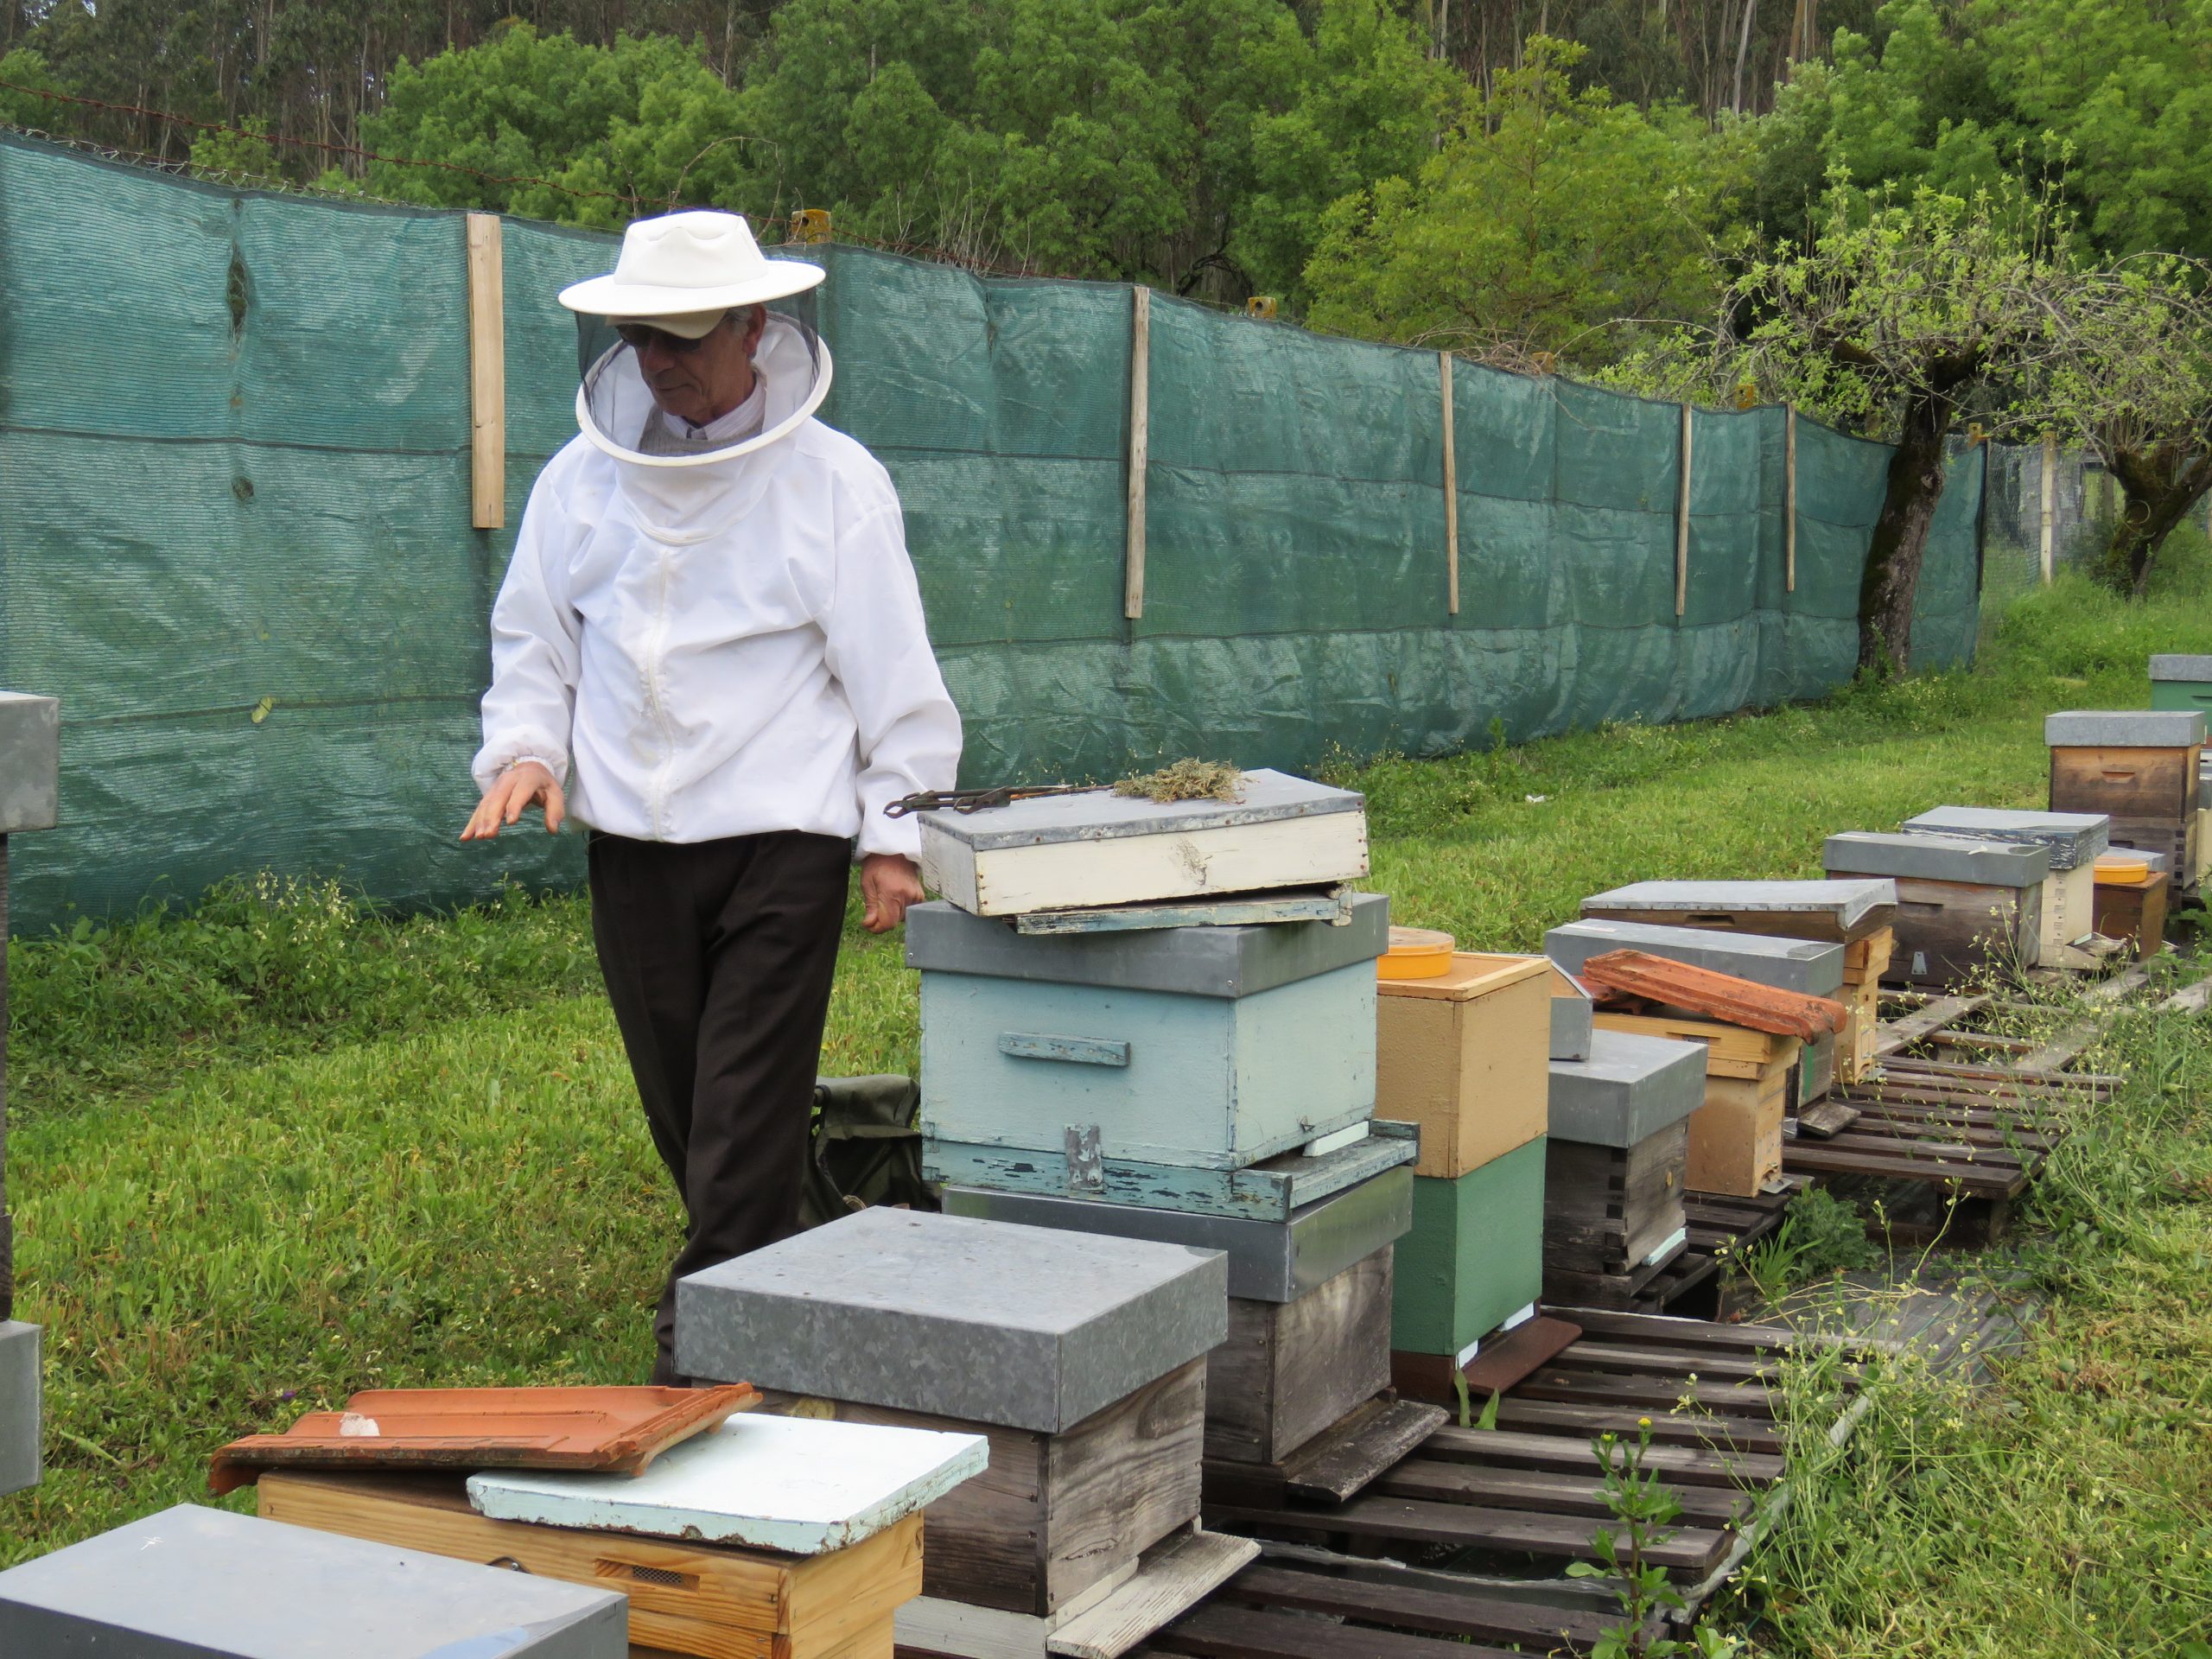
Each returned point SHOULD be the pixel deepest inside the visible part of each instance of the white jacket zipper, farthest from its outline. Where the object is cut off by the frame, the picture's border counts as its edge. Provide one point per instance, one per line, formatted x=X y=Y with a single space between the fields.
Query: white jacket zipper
x=657 y=692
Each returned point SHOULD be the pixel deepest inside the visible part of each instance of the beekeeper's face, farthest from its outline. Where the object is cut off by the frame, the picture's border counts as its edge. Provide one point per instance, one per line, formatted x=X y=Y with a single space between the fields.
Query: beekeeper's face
x=698 y=380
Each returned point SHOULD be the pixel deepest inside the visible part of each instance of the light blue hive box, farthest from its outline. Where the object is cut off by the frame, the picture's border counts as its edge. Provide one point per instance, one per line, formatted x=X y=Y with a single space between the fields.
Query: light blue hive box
x=1205 y=1048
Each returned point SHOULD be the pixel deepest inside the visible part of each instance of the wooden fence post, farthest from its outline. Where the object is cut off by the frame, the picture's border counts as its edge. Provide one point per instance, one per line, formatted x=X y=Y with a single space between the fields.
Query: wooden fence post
x=1139 y=418
x=487 y=376
x=1682 y=523
x=1451 y=498
x=1789 y=498
x=2049 y=502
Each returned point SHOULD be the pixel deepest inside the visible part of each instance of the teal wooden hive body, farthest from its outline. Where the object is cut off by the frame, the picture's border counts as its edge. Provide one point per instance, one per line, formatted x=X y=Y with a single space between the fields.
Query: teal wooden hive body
x=1204 y=1047
x=2182 y=682
x=1475 y=1257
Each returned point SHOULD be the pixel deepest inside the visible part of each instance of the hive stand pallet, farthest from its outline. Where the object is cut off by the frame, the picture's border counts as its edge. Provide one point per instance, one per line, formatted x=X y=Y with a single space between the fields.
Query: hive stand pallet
x=708 y=1600
x=1722 y=1228
x=1526 y=1495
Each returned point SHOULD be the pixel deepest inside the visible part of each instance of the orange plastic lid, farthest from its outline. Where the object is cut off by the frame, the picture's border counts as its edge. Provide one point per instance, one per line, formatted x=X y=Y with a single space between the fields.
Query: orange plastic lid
x=2118 y=870
x=1415 y=953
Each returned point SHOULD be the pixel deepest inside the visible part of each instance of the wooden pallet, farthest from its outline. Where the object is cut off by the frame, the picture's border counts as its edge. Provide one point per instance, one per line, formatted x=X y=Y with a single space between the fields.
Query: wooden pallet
x=1420 y=1562
x=1529 y=1489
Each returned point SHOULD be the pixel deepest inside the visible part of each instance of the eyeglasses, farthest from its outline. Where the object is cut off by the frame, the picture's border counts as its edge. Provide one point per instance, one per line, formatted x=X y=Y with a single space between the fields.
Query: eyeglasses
x=639 y=336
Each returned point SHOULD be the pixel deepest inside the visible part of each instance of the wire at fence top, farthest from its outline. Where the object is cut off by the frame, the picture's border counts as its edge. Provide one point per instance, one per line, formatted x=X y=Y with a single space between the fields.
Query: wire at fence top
x=312 y=144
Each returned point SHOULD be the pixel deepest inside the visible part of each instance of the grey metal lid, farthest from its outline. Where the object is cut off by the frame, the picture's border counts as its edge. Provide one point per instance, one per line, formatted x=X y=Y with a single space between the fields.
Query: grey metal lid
x=2124 y=728
x=1631 y=1088
x=2180 y=667
x=942 y=938
x=1812 y=967
x=207 y=1582
x=2071 y=838
x=1845 y=902
x=1938 y=858
x=1100 y=815
x=985 y=1321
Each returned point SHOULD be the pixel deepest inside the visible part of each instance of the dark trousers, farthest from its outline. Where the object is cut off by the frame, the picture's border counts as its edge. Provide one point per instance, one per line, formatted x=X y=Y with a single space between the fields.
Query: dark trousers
x=719 y=957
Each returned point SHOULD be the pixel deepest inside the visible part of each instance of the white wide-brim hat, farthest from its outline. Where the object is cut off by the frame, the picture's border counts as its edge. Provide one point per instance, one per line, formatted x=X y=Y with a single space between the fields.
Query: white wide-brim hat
x=682 y=264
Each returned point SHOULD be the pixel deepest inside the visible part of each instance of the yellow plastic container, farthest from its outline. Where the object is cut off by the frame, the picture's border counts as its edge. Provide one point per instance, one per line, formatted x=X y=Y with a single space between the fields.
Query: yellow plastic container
x=1415 y=953
x=2117 y=870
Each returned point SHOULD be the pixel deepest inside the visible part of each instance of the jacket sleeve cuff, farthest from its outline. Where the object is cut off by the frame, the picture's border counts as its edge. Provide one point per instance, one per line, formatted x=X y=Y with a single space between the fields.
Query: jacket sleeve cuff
x=490 y=762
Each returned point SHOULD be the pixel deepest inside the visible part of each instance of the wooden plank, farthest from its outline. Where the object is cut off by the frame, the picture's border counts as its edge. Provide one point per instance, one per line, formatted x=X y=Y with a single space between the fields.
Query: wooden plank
x=1686 y=1466
x=1682 y=523
x=1467 y=1614
x=1550 y=1493
x=1497 y=1366
x=1990 y=1180
x=1140 y=443
x=1173 y=1579
x=1470 y=1527
x=1334 y=1465
x=1648 y=1359
x=1450 y=496
x=1324 y=903
x=1645 y=1394
x=1789 y=498
x=1251 y=1633
x=2048 y=544
x=1668 y=1429
x=1826 y=1117
x=1917 y=1026
x=487 y=376
x=1695 y=1337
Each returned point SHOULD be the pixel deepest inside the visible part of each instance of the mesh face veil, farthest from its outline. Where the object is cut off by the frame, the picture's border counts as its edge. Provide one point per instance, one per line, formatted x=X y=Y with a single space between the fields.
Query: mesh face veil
x=613 y=403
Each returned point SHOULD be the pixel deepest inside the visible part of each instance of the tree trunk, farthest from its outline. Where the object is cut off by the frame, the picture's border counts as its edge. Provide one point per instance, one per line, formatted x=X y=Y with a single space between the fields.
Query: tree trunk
x=1900 y=538
x=2160 y=486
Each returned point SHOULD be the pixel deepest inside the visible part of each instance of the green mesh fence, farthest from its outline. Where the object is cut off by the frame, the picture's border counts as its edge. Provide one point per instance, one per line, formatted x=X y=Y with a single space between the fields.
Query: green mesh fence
x=234 y=531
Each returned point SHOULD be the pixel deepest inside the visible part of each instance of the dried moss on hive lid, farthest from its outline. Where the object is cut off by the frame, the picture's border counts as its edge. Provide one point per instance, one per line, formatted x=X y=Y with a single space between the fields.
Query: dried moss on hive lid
x=1185 y=781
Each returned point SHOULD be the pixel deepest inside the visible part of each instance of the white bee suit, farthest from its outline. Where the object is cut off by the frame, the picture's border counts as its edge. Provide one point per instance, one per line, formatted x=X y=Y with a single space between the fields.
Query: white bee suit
x=721 y=642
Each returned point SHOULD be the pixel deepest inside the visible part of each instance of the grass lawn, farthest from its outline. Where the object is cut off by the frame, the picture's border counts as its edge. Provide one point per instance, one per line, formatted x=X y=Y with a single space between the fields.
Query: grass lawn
x=284 y=1148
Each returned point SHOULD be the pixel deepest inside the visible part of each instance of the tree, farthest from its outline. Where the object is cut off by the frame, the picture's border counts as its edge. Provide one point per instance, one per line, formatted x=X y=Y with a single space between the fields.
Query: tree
x=1896 y=317
x=1548 y=225
x=2131 y=382
x=1370 y=103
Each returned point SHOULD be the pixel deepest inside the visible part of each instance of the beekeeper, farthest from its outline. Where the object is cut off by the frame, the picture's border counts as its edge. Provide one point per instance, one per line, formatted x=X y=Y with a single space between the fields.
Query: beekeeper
x=708 y=650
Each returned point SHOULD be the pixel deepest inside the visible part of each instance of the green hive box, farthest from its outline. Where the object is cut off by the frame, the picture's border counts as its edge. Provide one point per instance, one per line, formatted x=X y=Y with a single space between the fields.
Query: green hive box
x=2182 y=682
x=1475 y=1257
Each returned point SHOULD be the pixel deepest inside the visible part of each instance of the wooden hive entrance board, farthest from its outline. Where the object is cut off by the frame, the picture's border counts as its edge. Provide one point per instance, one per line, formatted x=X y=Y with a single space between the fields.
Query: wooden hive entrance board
x=710 y=1601
x=1291 y=1370
x=1056 y=1514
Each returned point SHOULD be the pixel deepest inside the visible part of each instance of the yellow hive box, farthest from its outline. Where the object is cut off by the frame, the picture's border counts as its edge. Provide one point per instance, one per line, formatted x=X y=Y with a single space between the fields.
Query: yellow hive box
x=1736 y=1136
x=1731 y=1051
x=1466 y=1055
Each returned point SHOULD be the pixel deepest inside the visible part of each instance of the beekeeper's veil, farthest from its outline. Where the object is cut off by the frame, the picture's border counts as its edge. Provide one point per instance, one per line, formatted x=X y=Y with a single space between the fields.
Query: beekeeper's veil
x=682 y=272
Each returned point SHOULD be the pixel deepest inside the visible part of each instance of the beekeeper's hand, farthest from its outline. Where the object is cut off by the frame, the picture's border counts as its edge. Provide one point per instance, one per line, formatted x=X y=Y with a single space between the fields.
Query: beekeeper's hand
x=510 y=791
x=889 y=882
